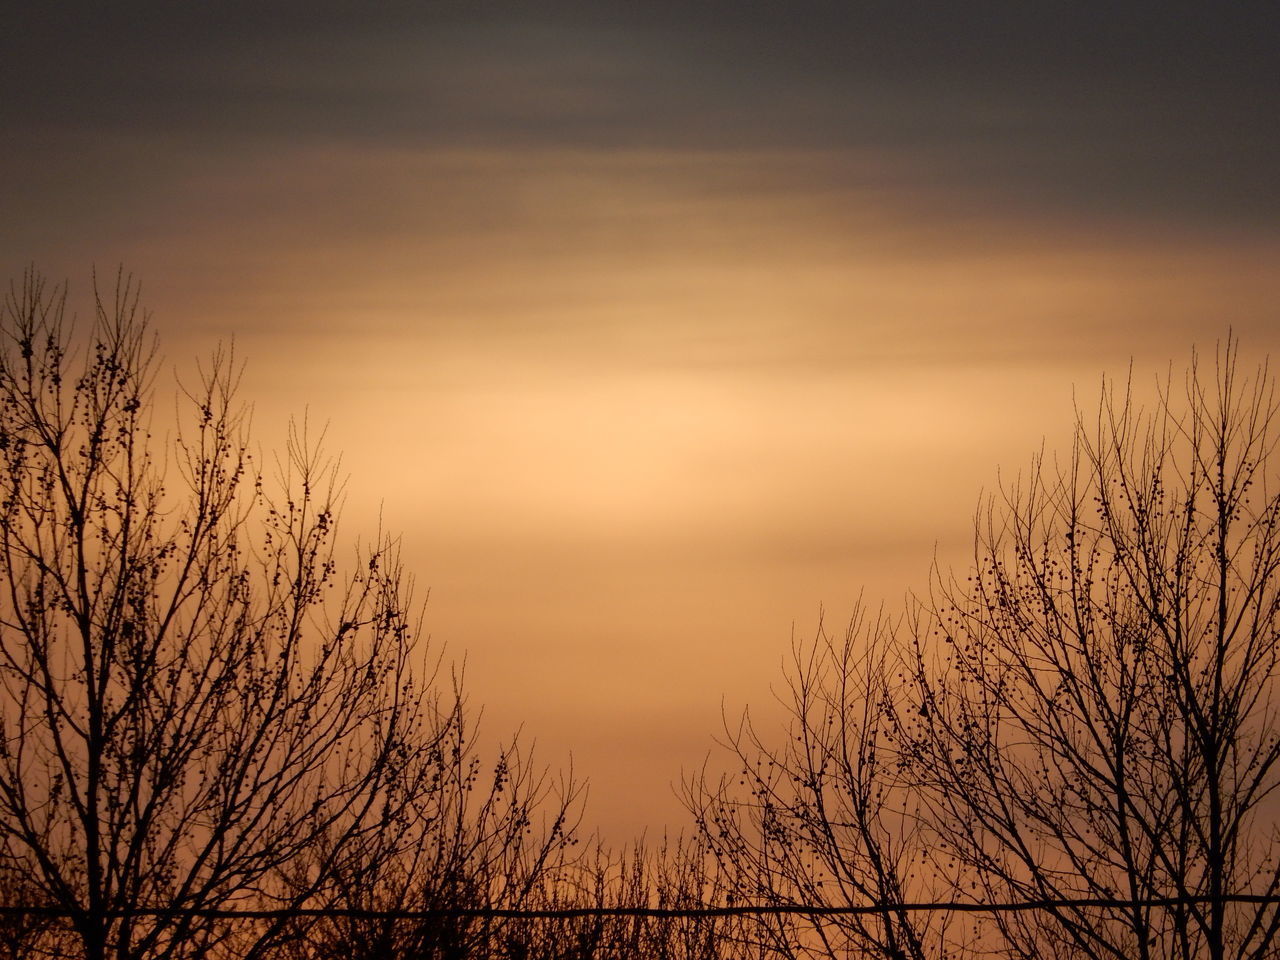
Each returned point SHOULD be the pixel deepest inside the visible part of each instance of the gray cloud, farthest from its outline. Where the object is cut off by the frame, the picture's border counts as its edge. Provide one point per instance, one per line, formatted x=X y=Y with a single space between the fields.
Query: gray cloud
x=1111 y=111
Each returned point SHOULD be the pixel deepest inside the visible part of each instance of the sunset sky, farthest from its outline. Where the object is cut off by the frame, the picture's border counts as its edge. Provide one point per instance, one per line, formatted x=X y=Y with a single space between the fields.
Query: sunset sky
x=655 y=328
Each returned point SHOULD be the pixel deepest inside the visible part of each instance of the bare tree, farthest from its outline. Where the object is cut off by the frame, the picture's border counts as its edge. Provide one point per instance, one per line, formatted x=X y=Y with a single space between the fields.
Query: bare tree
x=476 y=838
x=28 y=934
x=815 y=816
x=636 y=886
x=190 y=695
x=1095 y=707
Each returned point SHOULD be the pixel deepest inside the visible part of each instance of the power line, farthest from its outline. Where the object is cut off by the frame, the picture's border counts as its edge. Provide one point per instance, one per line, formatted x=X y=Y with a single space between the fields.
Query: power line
x=569 y=913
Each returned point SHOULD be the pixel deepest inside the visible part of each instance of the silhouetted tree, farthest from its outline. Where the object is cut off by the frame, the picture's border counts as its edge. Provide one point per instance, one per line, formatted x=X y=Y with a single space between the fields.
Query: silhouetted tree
x=28 y=935
x=475 y=838
x=1092 y=714
x=814 y=815
x=674 y=875
x=190 y=696
x=1095 y=708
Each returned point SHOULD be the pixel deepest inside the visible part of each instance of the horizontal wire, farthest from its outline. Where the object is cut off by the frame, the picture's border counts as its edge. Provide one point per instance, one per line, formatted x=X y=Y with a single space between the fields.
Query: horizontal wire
x=567 y=913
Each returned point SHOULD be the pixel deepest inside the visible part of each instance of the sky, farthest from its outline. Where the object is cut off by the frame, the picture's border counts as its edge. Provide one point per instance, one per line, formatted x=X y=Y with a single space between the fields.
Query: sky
x=658 y=330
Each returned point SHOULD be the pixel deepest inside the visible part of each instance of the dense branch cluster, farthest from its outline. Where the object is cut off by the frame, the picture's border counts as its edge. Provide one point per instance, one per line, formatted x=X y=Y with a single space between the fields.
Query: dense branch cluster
x=206 y=708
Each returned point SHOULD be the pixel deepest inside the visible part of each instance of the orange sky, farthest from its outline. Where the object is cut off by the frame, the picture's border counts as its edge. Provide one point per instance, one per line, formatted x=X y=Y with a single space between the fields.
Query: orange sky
x=642 y=400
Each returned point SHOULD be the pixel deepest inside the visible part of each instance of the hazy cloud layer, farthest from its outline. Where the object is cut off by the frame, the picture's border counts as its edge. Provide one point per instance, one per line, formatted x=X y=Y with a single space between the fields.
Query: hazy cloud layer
x=1116 y=111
